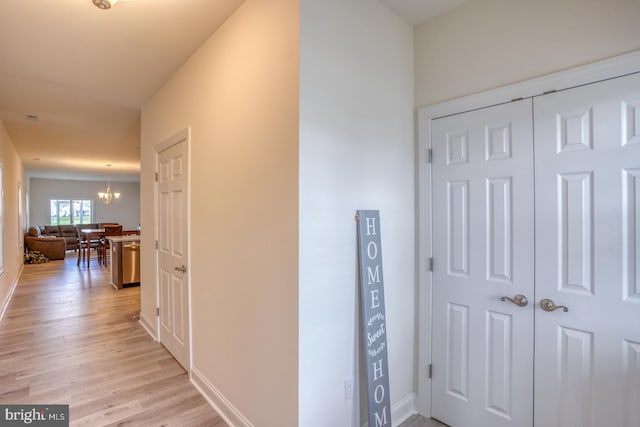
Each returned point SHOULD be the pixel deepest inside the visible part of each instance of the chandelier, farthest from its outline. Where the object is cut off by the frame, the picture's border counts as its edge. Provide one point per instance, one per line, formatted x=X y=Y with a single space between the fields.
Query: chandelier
x=108 y=196
x=105 y=4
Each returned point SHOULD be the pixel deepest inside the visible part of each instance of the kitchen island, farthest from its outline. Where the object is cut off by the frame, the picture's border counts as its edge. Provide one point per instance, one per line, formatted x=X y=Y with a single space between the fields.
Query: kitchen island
x=125 y=260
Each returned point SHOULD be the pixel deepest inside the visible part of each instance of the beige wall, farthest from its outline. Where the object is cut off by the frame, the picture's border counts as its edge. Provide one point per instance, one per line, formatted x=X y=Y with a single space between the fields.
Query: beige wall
x=239 y=95
x=356 y=152
x=12 y=236
x=490 y=43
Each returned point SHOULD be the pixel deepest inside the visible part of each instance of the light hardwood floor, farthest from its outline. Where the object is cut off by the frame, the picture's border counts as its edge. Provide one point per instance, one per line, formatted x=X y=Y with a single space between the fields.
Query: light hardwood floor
x=68 y=337
x=419 y=421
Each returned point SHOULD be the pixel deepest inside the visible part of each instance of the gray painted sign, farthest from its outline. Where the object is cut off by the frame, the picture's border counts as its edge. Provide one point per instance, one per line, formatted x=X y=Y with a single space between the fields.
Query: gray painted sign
x=374 y=322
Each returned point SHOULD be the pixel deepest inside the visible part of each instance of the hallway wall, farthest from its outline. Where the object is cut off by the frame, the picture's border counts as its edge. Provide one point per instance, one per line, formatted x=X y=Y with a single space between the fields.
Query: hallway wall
x=13 y=229
x=238 y=94
x=356 y=152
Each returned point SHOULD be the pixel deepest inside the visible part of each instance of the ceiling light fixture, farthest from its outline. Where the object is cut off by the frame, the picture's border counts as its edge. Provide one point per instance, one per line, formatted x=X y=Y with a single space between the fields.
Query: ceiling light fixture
x=108 y=196
x=105 y=4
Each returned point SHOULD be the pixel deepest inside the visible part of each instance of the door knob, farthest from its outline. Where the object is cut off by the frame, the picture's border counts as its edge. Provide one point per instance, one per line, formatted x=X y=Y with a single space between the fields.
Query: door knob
x=519 y=300
x=181 y=268
x=549 y=305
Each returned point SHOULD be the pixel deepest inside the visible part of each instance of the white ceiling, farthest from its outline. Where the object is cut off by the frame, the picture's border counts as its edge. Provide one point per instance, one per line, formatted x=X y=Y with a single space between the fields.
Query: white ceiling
x=85 y=73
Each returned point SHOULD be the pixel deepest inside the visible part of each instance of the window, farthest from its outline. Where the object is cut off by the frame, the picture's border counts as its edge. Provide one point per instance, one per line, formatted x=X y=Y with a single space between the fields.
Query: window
x=73 y=212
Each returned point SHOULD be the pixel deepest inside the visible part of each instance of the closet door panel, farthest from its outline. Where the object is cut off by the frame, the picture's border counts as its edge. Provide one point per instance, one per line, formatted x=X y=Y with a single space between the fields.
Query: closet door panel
x=483 y=250
x=587 y=163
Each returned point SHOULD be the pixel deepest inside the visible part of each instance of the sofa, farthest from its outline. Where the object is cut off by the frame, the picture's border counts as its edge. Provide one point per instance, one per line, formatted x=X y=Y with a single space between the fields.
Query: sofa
x=50 y=246
x=67 y=232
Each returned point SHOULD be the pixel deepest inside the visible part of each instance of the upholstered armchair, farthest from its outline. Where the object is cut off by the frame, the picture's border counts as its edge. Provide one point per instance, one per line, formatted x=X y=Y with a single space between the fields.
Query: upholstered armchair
x=49 y=246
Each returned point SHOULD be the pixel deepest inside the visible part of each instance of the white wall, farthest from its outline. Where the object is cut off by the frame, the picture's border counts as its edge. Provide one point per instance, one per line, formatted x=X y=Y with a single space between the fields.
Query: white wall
x=356 y=152
x=125 y=211
x=485 y=44
x=490 y=43
x=239 y=95
x=12 y=236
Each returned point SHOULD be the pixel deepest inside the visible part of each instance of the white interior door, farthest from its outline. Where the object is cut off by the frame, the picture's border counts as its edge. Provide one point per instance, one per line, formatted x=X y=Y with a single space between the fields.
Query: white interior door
x=483 y=250
x=587 y=258
x=587 y=156
x=172 y=251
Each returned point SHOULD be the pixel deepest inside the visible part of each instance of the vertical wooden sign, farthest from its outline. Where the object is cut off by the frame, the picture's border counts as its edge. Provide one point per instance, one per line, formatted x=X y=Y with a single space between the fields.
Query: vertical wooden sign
x=373 y=317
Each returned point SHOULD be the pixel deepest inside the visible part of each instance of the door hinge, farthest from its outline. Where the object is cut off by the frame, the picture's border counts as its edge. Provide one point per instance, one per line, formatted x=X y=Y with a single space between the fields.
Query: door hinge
x=158 y=315
x=429 y=155
x=156 y=245
x=430 y=370
x=156 y=178
x=430 y=264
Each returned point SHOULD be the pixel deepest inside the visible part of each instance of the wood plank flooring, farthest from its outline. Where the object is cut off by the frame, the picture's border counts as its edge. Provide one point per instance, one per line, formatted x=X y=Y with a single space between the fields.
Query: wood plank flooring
x=69 y=337
x=420 y=421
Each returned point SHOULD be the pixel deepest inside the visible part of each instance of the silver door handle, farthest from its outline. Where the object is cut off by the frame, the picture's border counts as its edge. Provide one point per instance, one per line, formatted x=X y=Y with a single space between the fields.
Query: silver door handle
x=181 y=268
x=549 y=305
x=519 y=300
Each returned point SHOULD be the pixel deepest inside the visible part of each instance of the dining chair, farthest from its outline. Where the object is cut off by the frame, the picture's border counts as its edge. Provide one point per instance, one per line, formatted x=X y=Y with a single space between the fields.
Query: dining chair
x=105 y=244
x=86 y=242
x=94 y=243
x=106 y=224
x=82 y=245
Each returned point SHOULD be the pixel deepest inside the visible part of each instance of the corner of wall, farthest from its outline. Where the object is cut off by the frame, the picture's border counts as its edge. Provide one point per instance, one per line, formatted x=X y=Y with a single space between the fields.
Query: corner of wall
x=404 y=408
x=7 y=299
x=220 y=403
x=147 y=325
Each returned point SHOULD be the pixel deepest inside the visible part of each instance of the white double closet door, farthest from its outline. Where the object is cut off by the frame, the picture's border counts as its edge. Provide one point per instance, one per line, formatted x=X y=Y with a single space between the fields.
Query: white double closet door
x=538 y=198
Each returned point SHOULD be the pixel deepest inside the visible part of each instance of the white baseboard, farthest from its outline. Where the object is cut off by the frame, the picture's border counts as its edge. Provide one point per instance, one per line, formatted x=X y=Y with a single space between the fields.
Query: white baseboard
x=406 y=407
x=216 y=399
x=147 y=327
x=12 y=289
x=402 y=410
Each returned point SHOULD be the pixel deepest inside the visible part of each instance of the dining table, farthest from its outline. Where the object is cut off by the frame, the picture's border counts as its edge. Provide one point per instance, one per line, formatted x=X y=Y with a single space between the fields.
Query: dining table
x=90 y=234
